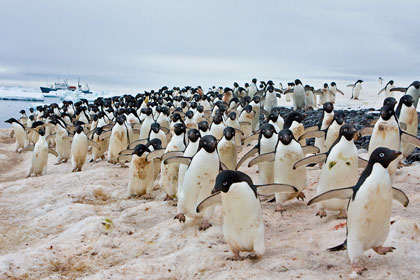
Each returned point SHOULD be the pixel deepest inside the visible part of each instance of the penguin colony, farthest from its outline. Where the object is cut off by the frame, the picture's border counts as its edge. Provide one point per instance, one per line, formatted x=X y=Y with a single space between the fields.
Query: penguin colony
x=192 y=139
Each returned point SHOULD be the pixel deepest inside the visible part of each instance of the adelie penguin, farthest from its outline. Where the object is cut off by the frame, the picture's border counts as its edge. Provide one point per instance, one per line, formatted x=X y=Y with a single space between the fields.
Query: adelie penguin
x=413 y=89
x=407 y=114
x=357 y=88
x=387 y=89
x=227 y=148
x=119 y=139
x=20 y=132
x=299 y=97
x=369 y=208
x=325 y=122
x=243 y=225
x=40 y=155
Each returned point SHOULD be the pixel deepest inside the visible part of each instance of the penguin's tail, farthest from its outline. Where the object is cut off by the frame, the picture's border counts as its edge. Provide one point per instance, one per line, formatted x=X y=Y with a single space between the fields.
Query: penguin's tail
x=340 y=247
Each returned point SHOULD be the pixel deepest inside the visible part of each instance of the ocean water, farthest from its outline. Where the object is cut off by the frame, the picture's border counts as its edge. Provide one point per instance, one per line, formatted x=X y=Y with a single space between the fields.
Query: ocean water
x=10 y=108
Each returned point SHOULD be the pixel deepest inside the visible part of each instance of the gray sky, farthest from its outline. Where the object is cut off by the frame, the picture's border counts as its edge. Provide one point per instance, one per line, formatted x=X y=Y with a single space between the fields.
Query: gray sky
x=133 y=45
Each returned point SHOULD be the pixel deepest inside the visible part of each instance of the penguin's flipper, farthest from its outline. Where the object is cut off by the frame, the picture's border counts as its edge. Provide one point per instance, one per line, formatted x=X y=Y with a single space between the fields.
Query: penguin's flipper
x=399 y=89
x=244 y=123
x=318 y=92
x=340 y=247
x=251 y=152
x=312 y=134
x=288 y=90
x=310 y=149
x=251 y=138
x=51 y=151
x=267 y=157
x=410 y=139
x=344 y=193
x=181 y=160
x=171 y=154
x=136 y=130
x=350 y=85
x=362 y=163
x=223 y=166
x=403 y=125
x=319 y=158
x=94 y=144
x=270 y=189
x=207 y=113
x=28 y=148
x=136 y=126
x=366 y=131
x=104 y=135
x=155 y=154
x=382 y=90
x=265 y=112
x=214 y=199
x=108 y=126
x=400 y=196
x=12 y=133
x=342 y=93
x=374 y=121
x=124 y=157
x=311 y=128
x=90 y=133
x=135 y=143
x=126 y=152
x=164 y=129
x=237 y=130
x=51 y=136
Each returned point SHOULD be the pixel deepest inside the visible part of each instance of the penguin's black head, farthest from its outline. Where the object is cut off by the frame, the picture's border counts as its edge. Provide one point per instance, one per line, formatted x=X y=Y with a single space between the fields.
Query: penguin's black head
x=179 y=128
x=235 y=84
x=232 y=116
x=246 y=85
x=286 y=136
x=270 y=88
x=200 y=108
x=31 y=110
x=407 y=100
x=247 y=99
x=298 y=82
x=383 y=156
x=390 y=101
x=339 y=117
x=296 y=116
x=140 y=149
x=203 y=126
x=416 y=84
x=267 y=130
x=229 y=132
x=387 y=112
x=176 y=117
x=155 y=127
x=37 y=123
x=348 y=131
x=228 y=177
x=325 y=85
x=208 y=143
x=248 y=108
x=99 y=130
x=359 y=81
x=254 y=80
x=391 y=82
x=11 y=120
x=79 y=129
x=41 y=131
x=217 y=119
x=274 y=116
x=193 y=105
x=193 y=135
x=256 y=99
x=95 y=117
x=328 y=107
x=333 y=84
x=189 y=114
x=22 y=112
x=120 y=119
x=156 y=143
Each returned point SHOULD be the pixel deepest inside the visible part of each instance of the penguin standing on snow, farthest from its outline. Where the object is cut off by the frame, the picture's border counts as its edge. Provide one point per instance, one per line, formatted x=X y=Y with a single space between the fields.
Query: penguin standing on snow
x=20 y=132
x=299 y=96
x=413 y=90
x=227 y=148
x=243 y=225
x=40 y=155
x=387 y=89
x=325 y=122
x=407 y=114
x=357 y=88
x=369 y=209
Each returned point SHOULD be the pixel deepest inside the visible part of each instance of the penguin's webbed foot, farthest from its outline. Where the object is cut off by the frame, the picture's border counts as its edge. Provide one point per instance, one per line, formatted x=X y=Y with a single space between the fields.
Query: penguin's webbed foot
x=180 y=217
x=358 y=269
x=91 y=160
x=204 y=225
x=235 y=257
x=147 y=197
x=280 y=209
x=342 y=214
x=383 y=250
x=301 y=195
x=321 y=213
x=168 y=198
x=74 y=170
x=253 y=256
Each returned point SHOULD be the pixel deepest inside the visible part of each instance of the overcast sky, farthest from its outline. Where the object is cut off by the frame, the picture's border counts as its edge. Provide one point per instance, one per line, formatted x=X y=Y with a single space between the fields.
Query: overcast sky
x=133 y=45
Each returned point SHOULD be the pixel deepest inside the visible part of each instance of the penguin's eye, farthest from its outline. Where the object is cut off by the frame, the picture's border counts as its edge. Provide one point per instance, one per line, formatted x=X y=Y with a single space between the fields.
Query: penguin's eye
x=345 y=130
x=205 y=142
x=225 y=183
x=381 y=154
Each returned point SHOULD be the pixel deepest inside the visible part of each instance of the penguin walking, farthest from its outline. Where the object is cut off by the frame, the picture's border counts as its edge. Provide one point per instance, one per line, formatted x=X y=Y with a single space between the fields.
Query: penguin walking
x=227 y=148
x=245 y=120
x=369 y=209
x=270 y=99
x=243 y=225
x=387 y=89
x=310 y=97
x=333 y=91
x=339 y=170
x=62 y=141
x=299 y=96
x=325 y=122
x=294 y=122
x=256 y=106
x=413 y=89
x=333 y=130
x=191 y=149
x=119 y=139
x=407 y=114
x=357 y=88
x=217 y=127
x=79 y=148
x=198 y=182
x=169 y=172
x=98 y=136
x=19 y=132
x=146 y=123
x=40 y=155
x=232 y=121
x=253 y=88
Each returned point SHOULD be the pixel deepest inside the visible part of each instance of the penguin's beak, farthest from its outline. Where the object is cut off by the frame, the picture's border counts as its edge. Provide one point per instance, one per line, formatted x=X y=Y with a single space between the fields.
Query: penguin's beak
x=396 y=154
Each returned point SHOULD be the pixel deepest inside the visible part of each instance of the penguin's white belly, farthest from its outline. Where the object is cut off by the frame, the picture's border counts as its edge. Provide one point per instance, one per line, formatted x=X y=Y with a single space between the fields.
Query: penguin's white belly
x=340 y=171
x=310 y=98
x=270 y=101
x=198 y=182
x=227 y=153
x=217 y=130
x=243 y=226
x=266 y=169
x=369 y=214
x=79 y=149
x=141 y=176
x=40 y=158
x=332 y=135
x=413 y=92
x=246 y=129
x=299 y=101
x=284 y=172
x=145 y=128
x=63 y=146
x=21 y=135
x=385 y=135
x=117 y=143
x=356 y=91
x=409 y=116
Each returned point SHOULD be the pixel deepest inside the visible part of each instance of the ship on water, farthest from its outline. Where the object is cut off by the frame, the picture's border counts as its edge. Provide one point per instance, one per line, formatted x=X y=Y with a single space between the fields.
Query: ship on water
x=58 y=88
